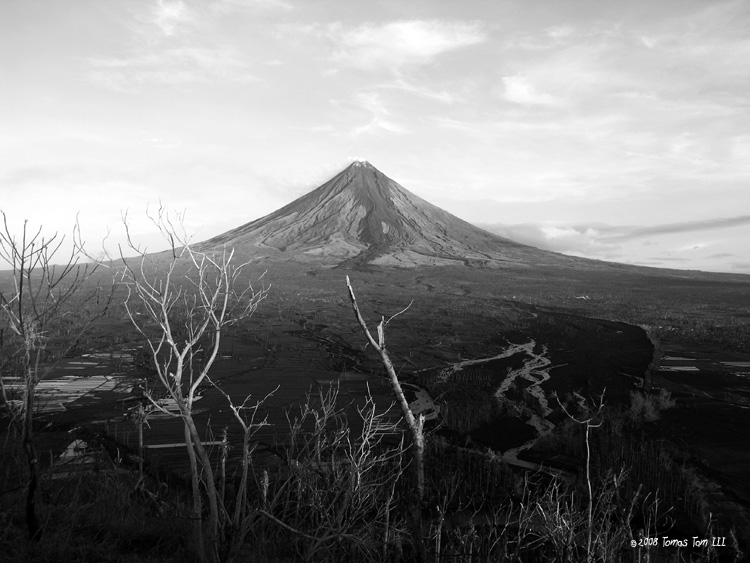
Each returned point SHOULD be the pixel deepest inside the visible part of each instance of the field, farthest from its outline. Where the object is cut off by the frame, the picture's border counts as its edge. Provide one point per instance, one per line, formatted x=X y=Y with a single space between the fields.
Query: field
x=495 y=353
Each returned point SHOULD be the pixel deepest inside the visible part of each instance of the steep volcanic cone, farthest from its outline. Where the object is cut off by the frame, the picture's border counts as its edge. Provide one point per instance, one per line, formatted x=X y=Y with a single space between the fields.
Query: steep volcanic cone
x=361 y=216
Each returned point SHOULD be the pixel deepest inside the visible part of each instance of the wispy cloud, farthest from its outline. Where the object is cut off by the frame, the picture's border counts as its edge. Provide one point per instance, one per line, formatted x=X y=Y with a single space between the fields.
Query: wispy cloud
x=520 y=90
x=560 y=32
x=380 y=119
x=405 y=42
x=606 y=241
x=170 y=16
x=422 y=91
x=169 y=45
x=227 y=6
x=175 y=66
x=683 y=227
x=579 y=241
x=656 y=260
x=543 y=39
x=395 y=44
x=379 y=124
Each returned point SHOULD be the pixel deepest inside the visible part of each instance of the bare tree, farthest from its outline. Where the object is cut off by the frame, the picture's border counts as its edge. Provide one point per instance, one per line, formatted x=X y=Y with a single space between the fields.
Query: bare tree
x=339 y=497
x=181 y=306
x=243 y=516
x=415 y=425
x=590 y=415
x=40 y=302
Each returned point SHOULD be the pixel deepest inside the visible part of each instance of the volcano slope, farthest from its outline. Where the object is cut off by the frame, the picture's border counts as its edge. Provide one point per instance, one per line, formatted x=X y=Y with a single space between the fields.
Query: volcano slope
x=362 y=217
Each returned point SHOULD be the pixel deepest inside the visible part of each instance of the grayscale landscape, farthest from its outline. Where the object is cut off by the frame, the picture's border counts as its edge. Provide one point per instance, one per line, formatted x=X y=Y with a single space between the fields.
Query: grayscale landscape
x=426 y=281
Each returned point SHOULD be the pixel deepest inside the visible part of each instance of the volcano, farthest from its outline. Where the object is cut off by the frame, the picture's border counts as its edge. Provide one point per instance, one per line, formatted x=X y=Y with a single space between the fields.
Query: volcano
x=361 y=217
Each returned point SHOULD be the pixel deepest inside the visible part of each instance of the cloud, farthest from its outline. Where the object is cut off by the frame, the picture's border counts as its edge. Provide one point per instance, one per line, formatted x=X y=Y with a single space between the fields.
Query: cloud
x=692 y=247
x=164 y=143
x=400 y=43
x=377 y=124
x=607 y=241
x=171 y=16
x=559 y=31
x=380 y=120
x=403 y=85
x=539 y=40
x=580 y=241
x=174 y=17
x=227 y=6
x=683 y=227
x=171 y=66
x=171 y=44
x=657 y=259
x=520 y=90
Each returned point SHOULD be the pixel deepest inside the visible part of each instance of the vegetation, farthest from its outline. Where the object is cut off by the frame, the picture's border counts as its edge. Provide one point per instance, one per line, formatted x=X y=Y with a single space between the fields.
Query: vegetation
x=45 y=303
x=181 y=306
x=415 y=425
x=338 y=487
x=338 y=496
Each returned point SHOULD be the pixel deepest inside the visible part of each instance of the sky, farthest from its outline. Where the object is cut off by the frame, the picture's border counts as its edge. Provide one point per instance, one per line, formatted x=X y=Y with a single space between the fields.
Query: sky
x=599 y=128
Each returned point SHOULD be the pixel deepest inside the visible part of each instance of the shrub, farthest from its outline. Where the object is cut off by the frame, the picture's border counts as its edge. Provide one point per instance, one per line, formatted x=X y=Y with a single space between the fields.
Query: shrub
x=665 y=400
x=642 y=408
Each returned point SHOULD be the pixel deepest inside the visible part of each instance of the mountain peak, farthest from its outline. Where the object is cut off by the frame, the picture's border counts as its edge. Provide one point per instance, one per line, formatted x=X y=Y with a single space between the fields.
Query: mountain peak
x=362 y=216
x=361 y=166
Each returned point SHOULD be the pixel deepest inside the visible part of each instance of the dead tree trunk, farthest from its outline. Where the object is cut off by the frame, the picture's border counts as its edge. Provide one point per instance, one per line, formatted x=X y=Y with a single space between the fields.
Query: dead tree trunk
x=197 y=514
x=415 y=425
x=32 y=520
